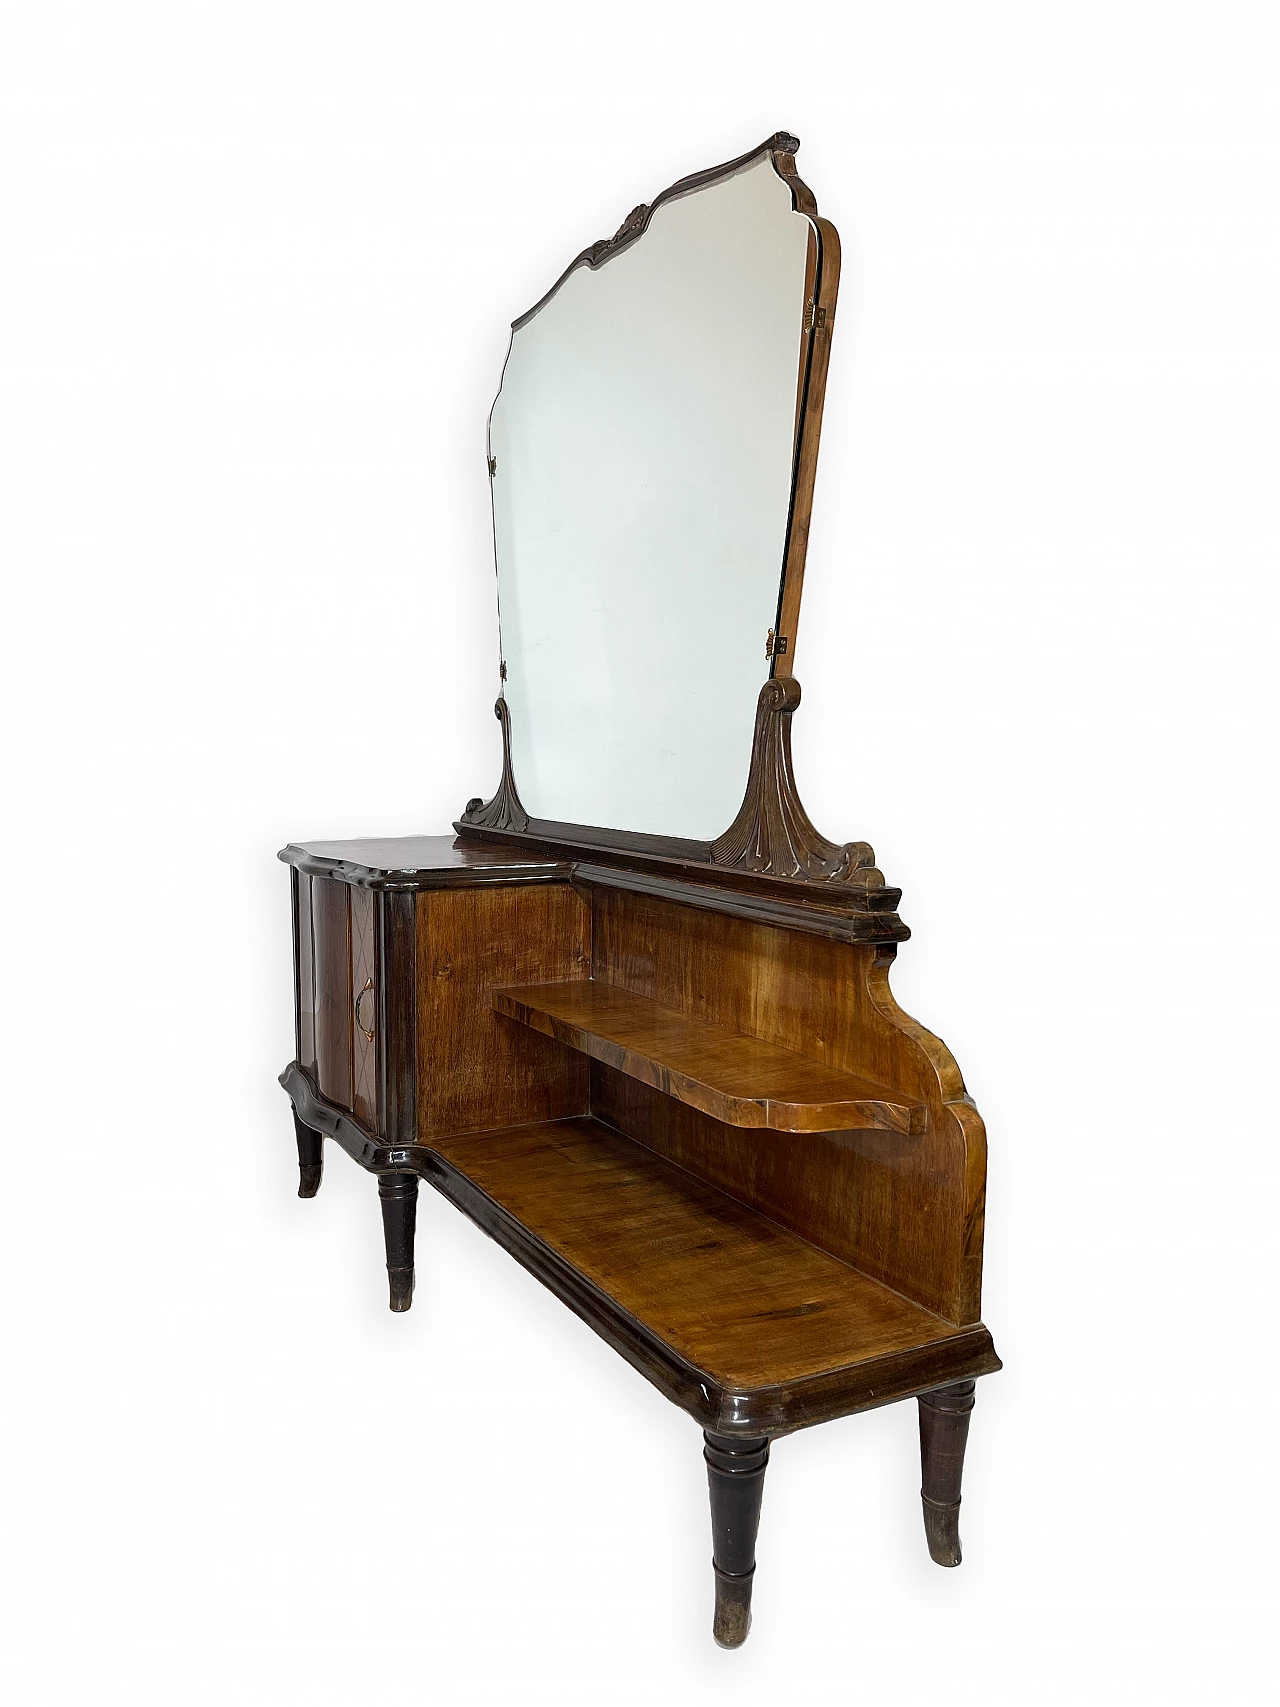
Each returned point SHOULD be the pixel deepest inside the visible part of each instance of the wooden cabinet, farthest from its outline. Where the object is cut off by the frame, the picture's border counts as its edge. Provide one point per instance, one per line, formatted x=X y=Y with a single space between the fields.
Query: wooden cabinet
x=693 y=1112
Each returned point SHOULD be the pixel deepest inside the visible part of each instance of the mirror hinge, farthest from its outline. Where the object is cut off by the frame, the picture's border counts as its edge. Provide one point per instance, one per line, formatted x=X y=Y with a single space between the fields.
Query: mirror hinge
x=775 y=645
x=493 y=466
x=814 y=315
x=502 y=668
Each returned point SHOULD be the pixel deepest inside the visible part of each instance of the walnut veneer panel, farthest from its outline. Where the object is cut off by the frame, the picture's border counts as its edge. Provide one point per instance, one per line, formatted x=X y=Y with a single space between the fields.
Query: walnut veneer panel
x=740 y=1080
x=476 y=1069
x=741 y=1298
x=905 y=1209
x=364 y=980
x=331 y=939
x=304 y=972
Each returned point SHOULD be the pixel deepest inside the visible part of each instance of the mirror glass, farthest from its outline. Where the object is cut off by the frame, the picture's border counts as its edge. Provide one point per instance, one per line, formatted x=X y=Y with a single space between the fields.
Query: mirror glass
x=641 y=455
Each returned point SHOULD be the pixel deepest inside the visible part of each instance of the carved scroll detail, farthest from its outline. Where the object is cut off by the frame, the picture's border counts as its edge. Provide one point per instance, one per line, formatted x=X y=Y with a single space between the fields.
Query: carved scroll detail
x=781 y=147
x=504 y=811
x=773 y=834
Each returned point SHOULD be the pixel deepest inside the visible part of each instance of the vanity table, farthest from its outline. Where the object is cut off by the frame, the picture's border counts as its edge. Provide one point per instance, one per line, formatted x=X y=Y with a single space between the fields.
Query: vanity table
x=633 y=1016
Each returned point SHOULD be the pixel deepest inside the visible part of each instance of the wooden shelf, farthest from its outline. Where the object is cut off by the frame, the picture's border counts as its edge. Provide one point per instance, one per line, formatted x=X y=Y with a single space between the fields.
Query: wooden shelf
x=730 y=1293
x=734 y=1078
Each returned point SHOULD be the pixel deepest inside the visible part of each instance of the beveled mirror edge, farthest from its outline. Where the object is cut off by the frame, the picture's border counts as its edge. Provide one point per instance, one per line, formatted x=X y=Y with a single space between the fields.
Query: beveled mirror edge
x=772 y=836
x=781 y=147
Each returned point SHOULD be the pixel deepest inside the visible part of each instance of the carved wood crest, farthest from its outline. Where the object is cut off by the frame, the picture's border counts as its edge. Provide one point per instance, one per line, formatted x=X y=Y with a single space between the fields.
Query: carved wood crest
x=773 y=834
x=504 y=811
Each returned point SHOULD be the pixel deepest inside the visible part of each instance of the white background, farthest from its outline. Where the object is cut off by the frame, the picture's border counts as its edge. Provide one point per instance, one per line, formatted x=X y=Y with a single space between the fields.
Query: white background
x=258 y=264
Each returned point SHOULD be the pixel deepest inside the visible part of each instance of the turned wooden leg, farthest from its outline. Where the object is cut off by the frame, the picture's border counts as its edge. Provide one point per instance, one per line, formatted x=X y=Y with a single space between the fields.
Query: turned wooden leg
x=735 y=1471
x=944 y=1429
x=399 y=1194
x=310 y=1158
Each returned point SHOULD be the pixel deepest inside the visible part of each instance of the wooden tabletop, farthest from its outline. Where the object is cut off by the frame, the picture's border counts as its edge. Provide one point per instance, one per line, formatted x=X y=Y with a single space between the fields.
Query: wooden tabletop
x=728 y=1290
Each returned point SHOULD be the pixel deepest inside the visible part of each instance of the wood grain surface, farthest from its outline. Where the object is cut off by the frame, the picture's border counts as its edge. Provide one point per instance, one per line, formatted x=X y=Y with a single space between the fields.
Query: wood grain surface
x=740 y=1080
x=474 y=1069
x=331 y=937
x=730 y=1291
x=907 y=1212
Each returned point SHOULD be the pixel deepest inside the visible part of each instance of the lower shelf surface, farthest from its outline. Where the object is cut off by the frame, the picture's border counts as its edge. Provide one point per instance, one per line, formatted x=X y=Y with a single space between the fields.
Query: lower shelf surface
x=730 y=1293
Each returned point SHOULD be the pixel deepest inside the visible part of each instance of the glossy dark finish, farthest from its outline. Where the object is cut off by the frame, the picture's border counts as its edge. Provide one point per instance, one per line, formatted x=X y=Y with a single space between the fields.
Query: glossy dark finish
x=366 y=1009
x=944 y=1433
x=317 y=1112
x=410 y=863
x=843 y=915
x=772 y=833
x=310 y=1158
x=397 y=927
x=735 y=1475
x=399 y=1196
x=815 y=355
x=504 y=811
x=304 y=1014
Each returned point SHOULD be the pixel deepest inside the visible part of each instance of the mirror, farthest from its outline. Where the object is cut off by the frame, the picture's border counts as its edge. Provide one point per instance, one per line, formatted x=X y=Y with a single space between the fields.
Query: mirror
x=643 y=460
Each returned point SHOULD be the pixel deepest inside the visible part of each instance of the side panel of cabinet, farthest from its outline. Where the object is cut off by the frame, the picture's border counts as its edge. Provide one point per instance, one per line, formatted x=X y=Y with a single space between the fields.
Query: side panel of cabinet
x=477 y=1069
x=331 y=937
x=304 y=979
x=367 y=1026
x=906 y=1211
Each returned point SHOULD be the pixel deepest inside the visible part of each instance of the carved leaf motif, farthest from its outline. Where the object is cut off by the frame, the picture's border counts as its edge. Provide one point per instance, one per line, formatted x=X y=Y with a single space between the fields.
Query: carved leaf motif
x=504 y=811
x=772 y=833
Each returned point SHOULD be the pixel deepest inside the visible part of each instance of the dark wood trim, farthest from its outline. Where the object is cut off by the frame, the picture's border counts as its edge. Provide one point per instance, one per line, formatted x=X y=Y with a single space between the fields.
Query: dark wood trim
x=735 y=1479
x=768 y=1410
x=789 y=910
x=959 y=1356
x=297 y=965
x=595 y=838
x=410 y=880
x=310 y=1157
x=317 y=1112
x=398 y=1195
x=816 y=357
x=504 y=811
x=944 y=1433
x=772 y=832
x=396 y=924
x=781 y=147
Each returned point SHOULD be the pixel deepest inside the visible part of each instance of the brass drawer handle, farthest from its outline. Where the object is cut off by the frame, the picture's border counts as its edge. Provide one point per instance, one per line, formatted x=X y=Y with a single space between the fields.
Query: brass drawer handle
x=367 y=991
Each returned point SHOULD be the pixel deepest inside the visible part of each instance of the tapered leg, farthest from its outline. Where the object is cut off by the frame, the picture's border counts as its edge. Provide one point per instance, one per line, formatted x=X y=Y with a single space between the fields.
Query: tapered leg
x=310 y=1158
x=399 y=1194
x=735 y=1471
x=944 y=1429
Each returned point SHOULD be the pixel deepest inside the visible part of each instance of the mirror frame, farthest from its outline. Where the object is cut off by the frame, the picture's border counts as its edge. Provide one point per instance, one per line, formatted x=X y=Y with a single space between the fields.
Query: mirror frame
x=772 y=836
